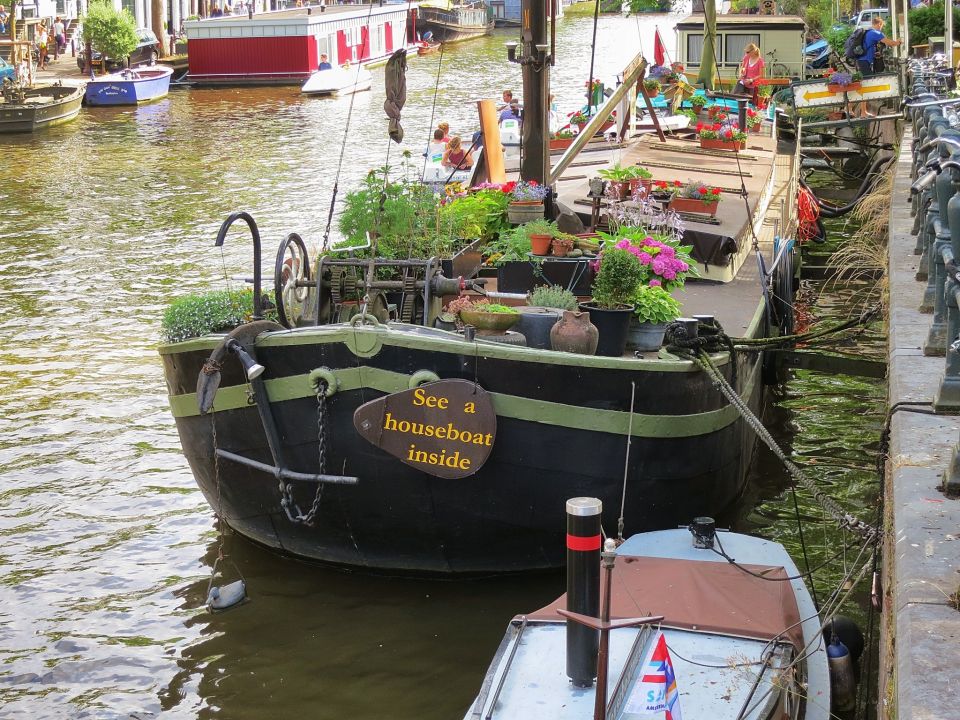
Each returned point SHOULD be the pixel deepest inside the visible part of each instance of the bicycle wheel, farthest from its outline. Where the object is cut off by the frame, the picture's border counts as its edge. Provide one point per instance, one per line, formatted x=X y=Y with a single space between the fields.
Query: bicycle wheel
x=779 y=70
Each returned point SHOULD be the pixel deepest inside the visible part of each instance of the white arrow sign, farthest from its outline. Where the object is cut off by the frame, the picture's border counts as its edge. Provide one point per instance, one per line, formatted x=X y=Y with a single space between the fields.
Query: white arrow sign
x=876 y=87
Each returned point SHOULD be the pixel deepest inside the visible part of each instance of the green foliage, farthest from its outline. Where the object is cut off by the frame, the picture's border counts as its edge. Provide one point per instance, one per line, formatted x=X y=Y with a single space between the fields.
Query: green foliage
x=639 y=6
x=616 y=282
x=495 y=308
x=111 y=32
x=929 y=20
x=197 y=315
x=552 y=296
x=653 y=304
x=837 y=37
x=740 y=5
x=699 y=101
x=478 y=215
x=616 y=173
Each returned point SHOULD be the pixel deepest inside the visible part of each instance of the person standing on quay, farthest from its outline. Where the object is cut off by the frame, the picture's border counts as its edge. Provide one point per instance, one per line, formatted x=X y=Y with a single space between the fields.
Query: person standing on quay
x=867 y=63
x=42 y=39
x=59 y=37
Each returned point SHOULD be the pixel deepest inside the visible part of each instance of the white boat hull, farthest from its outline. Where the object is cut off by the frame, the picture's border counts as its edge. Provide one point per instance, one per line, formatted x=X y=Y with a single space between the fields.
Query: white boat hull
x=338 y=81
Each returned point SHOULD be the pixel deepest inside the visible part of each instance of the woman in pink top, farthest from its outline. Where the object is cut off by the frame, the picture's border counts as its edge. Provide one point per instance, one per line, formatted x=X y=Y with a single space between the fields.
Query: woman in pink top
x=751 y=70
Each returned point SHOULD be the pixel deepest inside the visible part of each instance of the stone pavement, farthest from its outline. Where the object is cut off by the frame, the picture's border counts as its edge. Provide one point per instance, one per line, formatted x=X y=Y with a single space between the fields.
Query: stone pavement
x=920 y=647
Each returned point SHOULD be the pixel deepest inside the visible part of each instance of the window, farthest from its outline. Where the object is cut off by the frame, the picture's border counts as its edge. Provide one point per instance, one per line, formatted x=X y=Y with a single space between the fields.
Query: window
x=734 y=45
x=694 y=49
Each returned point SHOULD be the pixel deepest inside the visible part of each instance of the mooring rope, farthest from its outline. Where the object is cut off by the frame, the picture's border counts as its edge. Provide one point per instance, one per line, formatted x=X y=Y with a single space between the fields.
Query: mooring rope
x=698 y=349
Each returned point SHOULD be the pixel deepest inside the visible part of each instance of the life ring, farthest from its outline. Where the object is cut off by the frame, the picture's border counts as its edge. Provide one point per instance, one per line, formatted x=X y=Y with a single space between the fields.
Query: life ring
x=208 y=382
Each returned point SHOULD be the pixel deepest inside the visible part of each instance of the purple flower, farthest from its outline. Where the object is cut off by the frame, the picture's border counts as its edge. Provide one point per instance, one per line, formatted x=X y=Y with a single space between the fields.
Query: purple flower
x=655 y=283
x=645 y=258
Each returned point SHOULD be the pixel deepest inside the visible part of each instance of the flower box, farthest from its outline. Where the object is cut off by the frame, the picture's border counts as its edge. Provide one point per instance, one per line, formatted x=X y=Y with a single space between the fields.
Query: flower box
x=852 y=87
x=603 y=128
x=561 y=143
x=689 y=205
x=523 y=211
x=717 y=144
x=754 y=128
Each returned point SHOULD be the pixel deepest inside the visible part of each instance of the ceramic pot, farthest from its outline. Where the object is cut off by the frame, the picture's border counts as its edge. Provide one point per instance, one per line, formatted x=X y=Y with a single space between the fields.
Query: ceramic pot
x=644 y=336
x=679 y=204
x=644 y=183
x=560 y=248
x=523 y=211
x=574 y=334
x=612 y=326
x=540 y=244
x=536 y=323
x=620 y=188
x=596 y=186
x=488 y=323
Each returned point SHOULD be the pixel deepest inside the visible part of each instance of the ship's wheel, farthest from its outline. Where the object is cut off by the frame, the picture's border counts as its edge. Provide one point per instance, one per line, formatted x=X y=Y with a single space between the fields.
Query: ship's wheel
x=291 y=280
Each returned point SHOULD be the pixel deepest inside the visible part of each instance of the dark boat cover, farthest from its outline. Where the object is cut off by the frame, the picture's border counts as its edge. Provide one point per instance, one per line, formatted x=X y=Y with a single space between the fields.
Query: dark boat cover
x=704 y=596
x=396 y=87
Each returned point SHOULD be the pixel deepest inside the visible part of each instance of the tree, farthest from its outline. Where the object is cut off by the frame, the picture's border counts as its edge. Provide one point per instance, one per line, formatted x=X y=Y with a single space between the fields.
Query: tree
x=113 y=33
x=930 y=20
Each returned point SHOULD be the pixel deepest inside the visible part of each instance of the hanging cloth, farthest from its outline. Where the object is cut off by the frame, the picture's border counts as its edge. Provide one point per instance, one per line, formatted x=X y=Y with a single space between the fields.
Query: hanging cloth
x=396 y=86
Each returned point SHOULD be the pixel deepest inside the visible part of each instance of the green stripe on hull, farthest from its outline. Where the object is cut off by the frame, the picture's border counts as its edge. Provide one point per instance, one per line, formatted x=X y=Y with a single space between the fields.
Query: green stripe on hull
x=506 y=406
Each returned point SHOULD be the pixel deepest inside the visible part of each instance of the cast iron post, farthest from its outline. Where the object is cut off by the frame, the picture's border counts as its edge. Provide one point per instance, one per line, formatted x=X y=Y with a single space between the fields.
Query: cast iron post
x=536 y=81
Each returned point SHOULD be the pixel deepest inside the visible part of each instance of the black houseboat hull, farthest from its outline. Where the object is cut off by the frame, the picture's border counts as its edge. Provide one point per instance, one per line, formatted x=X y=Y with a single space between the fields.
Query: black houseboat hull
x=562 y=424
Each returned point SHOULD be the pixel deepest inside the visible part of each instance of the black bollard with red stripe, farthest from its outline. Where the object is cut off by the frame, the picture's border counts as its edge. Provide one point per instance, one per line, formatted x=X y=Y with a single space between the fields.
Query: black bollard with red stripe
x=583 y=587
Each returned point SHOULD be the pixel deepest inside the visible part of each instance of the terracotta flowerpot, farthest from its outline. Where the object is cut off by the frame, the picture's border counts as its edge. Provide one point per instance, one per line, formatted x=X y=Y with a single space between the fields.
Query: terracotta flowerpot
x=561 y=143
x=540 y=244
x=523 y=211
x=679 y=204
x=612 y=326
x=489 y=323
x=620 y=189
x=852 y=87
x=644 y=336
x=717 y=144
x=754 y=128
x=560 y=248
x=645 y=183
x=574 y=334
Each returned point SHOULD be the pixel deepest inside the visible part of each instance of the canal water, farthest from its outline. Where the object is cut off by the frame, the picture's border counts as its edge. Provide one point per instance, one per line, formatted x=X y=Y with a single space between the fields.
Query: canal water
x=107 y=543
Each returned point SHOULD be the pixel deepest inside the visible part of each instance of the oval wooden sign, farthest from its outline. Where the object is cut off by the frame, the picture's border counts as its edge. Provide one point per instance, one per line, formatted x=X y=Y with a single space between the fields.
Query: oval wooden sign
x=446 y=428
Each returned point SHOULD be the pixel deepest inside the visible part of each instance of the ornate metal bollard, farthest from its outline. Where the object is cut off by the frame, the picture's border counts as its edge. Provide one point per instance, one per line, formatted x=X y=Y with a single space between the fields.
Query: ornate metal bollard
x=949 y=147
x=937 y=127
x=947 y=398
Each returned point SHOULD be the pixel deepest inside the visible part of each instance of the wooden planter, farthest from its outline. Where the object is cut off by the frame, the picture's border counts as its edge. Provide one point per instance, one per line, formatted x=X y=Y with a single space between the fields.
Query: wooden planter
x=689 y=205
x=717 y=144
x=561 y=143
x=523 y=211
x=852 y=87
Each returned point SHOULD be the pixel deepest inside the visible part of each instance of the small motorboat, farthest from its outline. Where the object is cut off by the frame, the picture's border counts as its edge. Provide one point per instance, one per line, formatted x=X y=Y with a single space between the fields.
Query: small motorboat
x=130 y=86
x=29 y=109
x=427 y=48
x=680 y=625
x=338 y=81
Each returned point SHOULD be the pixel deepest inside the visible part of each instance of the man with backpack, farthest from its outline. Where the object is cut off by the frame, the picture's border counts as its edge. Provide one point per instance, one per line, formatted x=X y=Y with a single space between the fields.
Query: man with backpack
x=861 y=46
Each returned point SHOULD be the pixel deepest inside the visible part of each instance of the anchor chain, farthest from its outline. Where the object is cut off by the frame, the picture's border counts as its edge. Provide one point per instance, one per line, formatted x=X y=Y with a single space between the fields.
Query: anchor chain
x=290 y=507
x=845 y=520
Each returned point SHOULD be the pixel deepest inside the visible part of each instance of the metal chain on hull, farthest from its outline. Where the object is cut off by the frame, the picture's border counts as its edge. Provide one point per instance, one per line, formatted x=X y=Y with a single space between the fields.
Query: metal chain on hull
x=287 y=501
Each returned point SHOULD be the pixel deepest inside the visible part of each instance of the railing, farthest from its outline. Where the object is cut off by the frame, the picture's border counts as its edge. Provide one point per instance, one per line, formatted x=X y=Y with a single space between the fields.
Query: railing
x=936 y=209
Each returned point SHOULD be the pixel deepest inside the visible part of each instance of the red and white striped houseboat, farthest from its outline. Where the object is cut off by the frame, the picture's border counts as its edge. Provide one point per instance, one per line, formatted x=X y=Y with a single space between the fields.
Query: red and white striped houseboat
x=284 y=47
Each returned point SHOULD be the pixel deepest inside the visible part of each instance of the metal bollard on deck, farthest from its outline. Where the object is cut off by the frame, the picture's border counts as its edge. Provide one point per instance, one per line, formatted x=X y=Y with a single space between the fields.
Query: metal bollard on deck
x=938 y=125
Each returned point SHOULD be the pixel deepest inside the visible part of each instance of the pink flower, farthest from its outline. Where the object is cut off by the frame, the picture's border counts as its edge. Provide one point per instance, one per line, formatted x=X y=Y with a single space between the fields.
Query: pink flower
x=645 y=258
x=655 y=283
x=623 y=244
x=669 y=274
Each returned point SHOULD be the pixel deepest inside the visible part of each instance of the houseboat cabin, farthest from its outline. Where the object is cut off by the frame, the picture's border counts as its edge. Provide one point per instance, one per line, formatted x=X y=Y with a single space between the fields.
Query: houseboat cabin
x=779 y=37
x=284 y=47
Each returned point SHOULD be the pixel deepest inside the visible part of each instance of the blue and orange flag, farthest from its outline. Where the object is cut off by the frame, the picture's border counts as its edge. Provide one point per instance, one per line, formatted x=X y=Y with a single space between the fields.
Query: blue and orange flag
x=655 y=692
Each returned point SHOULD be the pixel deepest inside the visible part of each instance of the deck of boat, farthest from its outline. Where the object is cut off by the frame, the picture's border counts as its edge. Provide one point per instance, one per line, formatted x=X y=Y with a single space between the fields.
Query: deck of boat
x=730 y=288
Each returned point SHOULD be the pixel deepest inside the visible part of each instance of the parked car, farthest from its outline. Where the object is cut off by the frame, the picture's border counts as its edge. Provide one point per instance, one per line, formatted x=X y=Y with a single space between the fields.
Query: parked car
x=6 y=71
x=146 y=53
x=865 y=18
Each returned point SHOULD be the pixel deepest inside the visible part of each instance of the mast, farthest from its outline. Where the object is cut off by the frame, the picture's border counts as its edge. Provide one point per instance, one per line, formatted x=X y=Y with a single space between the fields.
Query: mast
x=535 y=63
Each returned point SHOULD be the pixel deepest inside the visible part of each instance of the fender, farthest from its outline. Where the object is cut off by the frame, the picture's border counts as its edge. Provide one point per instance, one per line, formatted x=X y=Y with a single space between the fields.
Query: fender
x=208 y=382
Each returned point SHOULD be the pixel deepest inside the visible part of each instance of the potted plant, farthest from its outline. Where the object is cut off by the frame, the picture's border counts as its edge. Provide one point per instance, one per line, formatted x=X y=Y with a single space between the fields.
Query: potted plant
x=652 y=87
x=754 y=120
x=488 y=318
x=541 y=233
x=526 y=200
x=611 y=306
x=663 y=190
x=663 y=260
x=698 y=103
x=562 y=139
x=639 y=177
x=764 y=93
x=561 y=245
x=842 y=82
x=714 y=109
x=696 y=197
x=581 y=118
x=618 y=180
x=721 y=136
x=552 y=296
x=653 y=308
x=216 y=311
